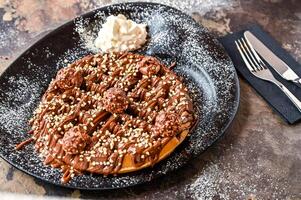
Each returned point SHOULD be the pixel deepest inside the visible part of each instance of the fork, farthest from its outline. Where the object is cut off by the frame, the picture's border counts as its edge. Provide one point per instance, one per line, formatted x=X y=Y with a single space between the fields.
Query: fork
x=259 y=69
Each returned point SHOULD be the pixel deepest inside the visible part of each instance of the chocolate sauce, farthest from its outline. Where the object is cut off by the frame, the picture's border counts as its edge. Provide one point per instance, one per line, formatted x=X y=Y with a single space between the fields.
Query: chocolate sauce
x=103 y=107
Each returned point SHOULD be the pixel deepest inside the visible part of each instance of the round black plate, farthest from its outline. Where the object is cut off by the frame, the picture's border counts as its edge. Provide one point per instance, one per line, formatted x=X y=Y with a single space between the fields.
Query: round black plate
x=173 y=36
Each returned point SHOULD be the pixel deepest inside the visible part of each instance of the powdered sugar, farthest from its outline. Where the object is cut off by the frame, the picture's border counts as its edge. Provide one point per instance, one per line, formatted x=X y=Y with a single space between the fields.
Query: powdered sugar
x=20 y=99
x=220 y=181
x=187 y=6
x=173 y=36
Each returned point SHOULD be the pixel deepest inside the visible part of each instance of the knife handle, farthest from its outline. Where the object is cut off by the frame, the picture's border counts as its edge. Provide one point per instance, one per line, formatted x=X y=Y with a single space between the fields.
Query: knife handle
x=297 y=82
x=290 y=95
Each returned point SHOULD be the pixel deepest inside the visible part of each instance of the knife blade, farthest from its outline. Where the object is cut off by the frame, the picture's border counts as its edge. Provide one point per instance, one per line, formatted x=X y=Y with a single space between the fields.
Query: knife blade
x=274 y=61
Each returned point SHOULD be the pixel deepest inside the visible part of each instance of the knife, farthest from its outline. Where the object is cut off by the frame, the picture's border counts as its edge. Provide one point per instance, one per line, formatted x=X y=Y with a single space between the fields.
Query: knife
x=274 y=61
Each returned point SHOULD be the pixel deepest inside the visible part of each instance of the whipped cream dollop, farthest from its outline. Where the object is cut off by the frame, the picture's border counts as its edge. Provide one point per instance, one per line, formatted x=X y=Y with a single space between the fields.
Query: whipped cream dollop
x=120 y=34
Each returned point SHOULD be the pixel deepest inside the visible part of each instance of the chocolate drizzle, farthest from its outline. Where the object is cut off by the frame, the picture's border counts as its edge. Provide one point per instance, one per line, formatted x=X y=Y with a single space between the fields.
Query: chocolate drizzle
x=103 y=108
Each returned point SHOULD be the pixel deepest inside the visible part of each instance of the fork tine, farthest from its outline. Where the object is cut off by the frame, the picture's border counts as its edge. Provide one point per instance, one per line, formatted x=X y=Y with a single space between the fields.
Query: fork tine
x=254 y=66
x=244 y=58
x=262 y=64
x=246 y=55
x=251 y=54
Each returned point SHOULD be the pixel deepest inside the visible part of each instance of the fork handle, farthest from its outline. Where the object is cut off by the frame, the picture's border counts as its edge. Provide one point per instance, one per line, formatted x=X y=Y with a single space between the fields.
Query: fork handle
x=290 y=95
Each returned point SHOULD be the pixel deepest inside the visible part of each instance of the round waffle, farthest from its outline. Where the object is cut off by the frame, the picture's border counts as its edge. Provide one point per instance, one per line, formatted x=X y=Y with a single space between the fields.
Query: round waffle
x=111 y=113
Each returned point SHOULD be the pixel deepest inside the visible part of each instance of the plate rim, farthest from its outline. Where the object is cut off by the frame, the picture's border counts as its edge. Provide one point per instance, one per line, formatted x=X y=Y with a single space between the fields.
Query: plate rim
x=222 y=131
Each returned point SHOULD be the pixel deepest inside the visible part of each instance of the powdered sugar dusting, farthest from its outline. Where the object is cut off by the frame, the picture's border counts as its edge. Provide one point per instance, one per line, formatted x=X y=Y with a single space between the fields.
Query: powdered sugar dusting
x=188 y=6
x=69 y=56
x=173 y=36
x=217 y=181
x=20 y=99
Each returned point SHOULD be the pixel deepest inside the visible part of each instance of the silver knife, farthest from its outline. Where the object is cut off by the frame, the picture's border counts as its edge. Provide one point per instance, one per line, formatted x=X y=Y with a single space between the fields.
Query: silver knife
x=274 y=61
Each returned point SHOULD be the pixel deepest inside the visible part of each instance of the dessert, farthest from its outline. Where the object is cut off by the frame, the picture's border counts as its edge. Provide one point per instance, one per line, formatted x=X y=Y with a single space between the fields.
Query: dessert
x=110 y=113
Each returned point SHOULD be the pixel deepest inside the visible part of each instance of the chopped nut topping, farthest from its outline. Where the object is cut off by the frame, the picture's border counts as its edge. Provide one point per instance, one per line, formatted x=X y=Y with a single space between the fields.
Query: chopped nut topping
x=102 y=107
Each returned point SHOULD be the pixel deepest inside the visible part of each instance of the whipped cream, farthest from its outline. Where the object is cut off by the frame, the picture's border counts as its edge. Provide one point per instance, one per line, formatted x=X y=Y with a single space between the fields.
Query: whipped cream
x=120 y=34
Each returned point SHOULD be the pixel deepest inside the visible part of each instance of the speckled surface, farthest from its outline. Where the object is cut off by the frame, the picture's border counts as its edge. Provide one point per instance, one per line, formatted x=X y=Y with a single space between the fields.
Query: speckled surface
x=174 y=36
x=259 y=157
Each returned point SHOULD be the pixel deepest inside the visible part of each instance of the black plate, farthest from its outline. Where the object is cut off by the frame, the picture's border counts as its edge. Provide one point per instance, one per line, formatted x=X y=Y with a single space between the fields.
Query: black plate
x=173 y=36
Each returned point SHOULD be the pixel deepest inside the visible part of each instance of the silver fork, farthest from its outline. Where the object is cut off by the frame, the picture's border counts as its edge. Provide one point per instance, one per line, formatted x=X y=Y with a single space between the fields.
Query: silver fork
x=258 y=68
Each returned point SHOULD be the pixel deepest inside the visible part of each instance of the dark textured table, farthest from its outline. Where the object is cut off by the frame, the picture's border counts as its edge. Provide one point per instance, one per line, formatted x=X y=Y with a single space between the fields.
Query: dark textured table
x=258 y=158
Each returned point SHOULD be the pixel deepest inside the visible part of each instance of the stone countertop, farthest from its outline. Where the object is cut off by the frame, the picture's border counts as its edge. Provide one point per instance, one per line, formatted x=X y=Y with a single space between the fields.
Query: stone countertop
x=258 y=158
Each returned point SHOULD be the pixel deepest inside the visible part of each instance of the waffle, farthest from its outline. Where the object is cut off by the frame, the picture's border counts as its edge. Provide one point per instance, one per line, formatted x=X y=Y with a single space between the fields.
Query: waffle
x=109 y=114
